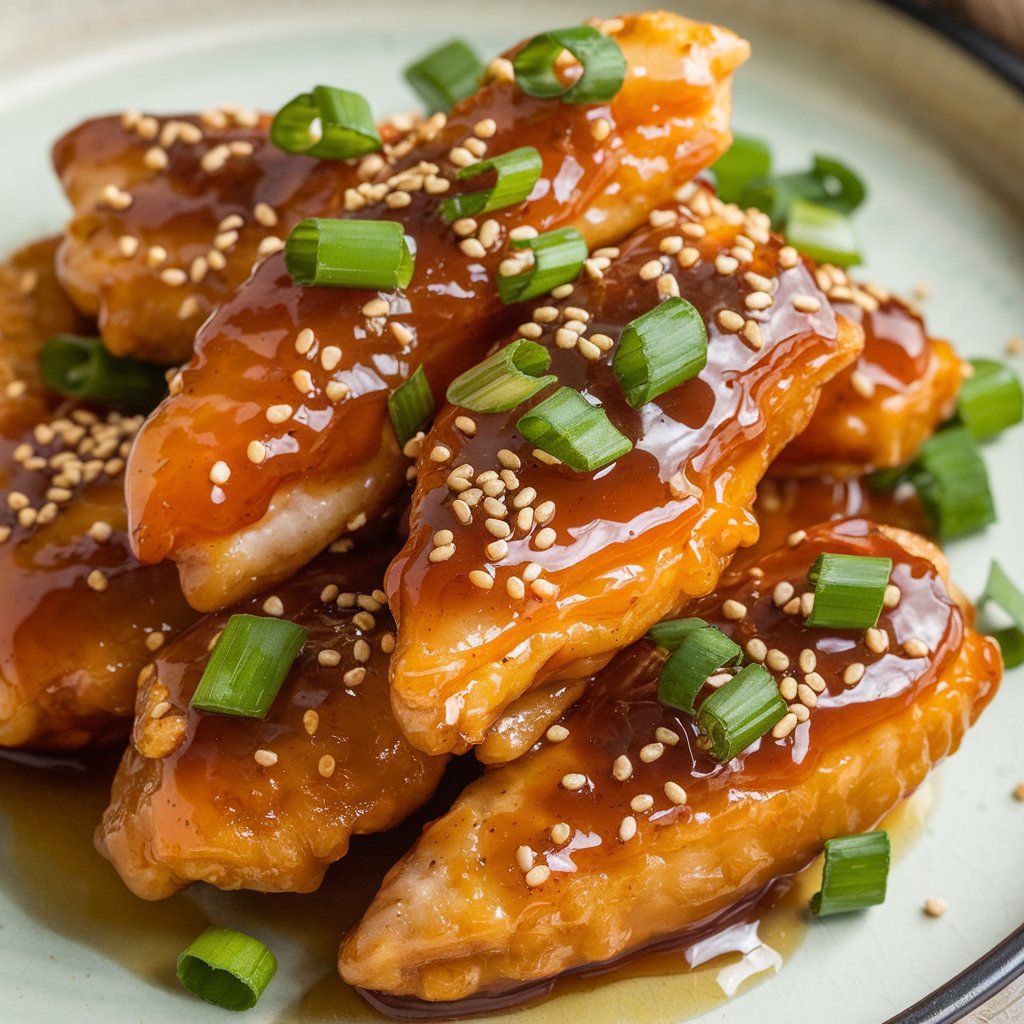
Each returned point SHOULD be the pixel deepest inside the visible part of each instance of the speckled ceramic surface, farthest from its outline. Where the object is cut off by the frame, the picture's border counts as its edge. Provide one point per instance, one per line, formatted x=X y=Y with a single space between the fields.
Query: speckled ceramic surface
x=941 y=143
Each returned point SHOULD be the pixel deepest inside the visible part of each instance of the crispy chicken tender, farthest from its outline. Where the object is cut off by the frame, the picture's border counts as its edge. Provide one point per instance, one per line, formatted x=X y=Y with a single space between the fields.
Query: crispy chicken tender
x=658 y=838
x=269 y=804
x=289 y=385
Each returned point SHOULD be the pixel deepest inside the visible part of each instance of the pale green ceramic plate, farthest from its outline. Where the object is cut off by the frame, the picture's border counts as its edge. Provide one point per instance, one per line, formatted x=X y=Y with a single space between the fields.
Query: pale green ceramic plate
x=941 y=142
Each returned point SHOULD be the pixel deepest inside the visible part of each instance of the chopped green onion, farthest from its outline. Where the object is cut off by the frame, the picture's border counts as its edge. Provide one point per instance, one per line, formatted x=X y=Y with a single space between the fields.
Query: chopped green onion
x=822 y=233
x=744 y=161
x=991 y=400
x=411 y=406
x=660 y=350
x=558 y=257
x=952 y=483
x=349 y=253
x=503 y=380
x=327 y=123
x=686 y=671
x=1002 y=591
x=741 y=711
x=604 y=67
x=855 y=874
x=672 y=633
x=848 y=590
x=567 y=426
x=445 y=75
x=829 y=183
x=227 y=968
x=248 y=665
x=517 y=171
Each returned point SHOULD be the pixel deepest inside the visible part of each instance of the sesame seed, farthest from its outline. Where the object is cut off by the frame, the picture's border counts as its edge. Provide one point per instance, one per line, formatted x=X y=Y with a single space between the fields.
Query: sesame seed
x=220 y=472
x=796 y=537
x=525 y=858
x=650 y=752
x=816 y=681
x=304 y=341
x=361 y=650
x=387 y=642
x=354 y=676
x=545 y=314
x=256 y=452
x=862 y=384
x=807 y=603
x=466 y=424
x=627 y=828
x=497 y=550
x=650 y=270
x=892 y=596
x=688 y=256
x=560 y=833
x=472 y=247
x=542 y=456
x=264 y=214
x=666 y=736
x=808 y=660
x=757 y=300
x=788 y=688
x=757 y=649
x=497 y=528
x=364 y=620
x=155 y=255
x=538 y=875
x=303 y=381
x=641 y=802
x=543 y=589
x=329 y=659
x=515 y=588
x=127 y=246
x=160 y=709
x=401 y=333
x=916 y=648
x=801 y=711
x=376 y=307
x=173 y=276
x=273 y=605
x=532 y=571
x=784 y=726
x=97 y=580
x=935 y=907
x=788 y=257
x=752 y=335
x=545 y=512
x=777 y=660
x=730 y=320
x=336 y=390
x=806 y=303
x=265 y=758
x=782 y=593
x=325 y=766
x=600 y=129
x=100 y=531
x=544 y=539
x=480 y=578
x=462 y=512
x=573 y=781
x=877 y=640
x=734 y=610
x=225 y=240
x=279 y=413
x=116 y=198
x=807 y=696
x=726 y=264
x=854 y=673
x=491 y=505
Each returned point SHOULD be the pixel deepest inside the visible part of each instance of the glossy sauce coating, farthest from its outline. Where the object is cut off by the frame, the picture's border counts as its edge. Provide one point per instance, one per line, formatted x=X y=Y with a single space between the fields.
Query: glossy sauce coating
x=269 y=804
x=602 y=555
x=657 y=835
x=668 y=121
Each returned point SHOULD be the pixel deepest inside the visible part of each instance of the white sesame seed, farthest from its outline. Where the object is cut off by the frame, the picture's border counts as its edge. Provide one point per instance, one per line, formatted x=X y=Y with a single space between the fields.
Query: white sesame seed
x=666 y=736
x=127 y=246
x=329 y=659
x=808 y=660
x=641 y=802
x=557 y=733
x=807 y=696
x=532 y=571
x=273 y=605
x=782 y=593
x=336 y=390
x=524 y=858
x=650 y=752
x=573 y=781
x=560 y=833
x=854 y=673
x=497 y=528
x=777 y=660
x=354 y=676
x=497 y=550
x=892 y=596
x=480 y=578
x=730 y=320
x=538 y=875
x=862 y=384
x=544 y=539
x=734 y=610
x=96 y=580
x=784 y=726
x=279 y=413
x=173 y=276
x=515 y=588
x=935 y=907
x=807 y=603
x=806 y=303
x=600 y=129
x=788 y=688
x=757 y=649
x=877 y=640
x=916 y=648
x=265 y=758
x=802 y=712
x=325 y=766
x=220 y=472
x=651 y=270
x=361 y=650
x=310 y=721
x=441 y=554
x=816 y=681
x=627 y=828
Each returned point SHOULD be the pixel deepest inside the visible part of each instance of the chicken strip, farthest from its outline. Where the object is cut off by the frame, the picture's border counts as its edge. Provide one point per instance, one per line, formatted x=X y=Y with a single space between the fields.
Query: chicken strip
x=288 y=387
x=625 y=831
x=879 y=411
x=557 y=569
x=269 y=804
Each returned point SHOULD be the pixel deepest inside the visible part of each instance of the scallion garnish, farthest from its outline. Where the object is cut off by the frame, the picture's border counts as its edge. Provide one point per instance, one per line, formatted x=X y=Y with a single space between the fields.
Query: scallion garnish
x=824 y=234
x=503 y=380
x=248 y=665
x=848 y=590
x=603 y=65
x=991 y=400
x=567 y=426
x=741 y=711
x=672 y=633
x=445 y=75
x=558 y=257
x=660 y=350
x=227 y=968
x=517 y=171
x=411 y=406
x=83 y=368
x=746 y=160
x=327 y=123
x=698 y=656
x=952 y=483
x=349 y=253
x=855 y=874
x=1003 y=592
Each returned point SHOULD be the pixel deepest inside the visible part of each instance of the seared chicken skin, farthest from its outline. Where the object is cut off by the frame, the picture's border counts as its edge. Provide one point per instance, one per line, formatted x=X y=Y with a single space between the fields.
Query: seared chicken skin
x=621 y=830
x=269 y=804
x=288 y=386
x=555 y=569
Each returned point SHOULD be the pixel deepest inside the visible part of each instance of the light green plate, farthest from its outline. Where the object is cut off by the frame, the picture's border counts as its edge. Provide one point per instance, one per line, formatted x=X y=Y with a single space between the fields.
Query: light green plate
x=941 y=142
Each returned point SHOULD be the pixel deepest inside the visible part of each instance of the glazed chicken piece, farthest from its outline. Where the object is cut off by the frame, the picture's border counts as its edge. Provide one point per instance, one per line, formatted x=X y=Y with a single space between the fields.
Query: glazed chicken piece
x=172 y=213
x=78 y=615
x=269 y=804
x=879 y=411
x=287 y=391
x=555 y=569
x=626 y=831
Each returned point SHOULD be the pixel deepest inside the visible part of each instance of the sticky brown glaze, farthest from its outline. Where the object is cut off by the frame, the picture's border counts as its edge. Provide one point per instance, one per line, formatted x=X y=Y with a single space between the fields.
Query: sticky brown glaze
x=878 y=412
x=459 y=916
x=592 y=559
x=269 y=805
x=320 y=362
x=171 y=215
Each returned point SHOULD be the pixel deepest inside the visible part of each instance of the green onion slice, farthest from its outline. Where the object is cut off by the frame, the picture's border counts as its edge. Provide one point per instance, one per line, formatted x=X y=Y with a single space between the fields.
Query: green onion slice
x=746 y=160
x=327 y=123
x=411 y=406
x=445 y=75
x=350 y=253
x=698 y=656
x=822 y=233
x=1002 y=591
x=248 y=666
x=952 y=483
x=503 y=380
x=848 y=590
x=741 y=711
x=227 y=968
x=672 y=633
x=855 y=874
x=660 y=350
x=567 y=426
x=517 y=171
x=991 y=400
x=83 y=368
x=558 y=258
x=829 y=183
x=604 y=66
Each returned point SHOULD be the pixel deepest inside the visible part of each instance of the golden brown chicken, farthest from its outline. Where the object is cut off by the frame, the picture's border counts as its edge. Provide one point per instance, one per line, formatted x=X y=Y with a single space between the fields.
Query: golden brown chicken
x=270 y=804
x=620 y=829
x=555 y=569
x=285 y=400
